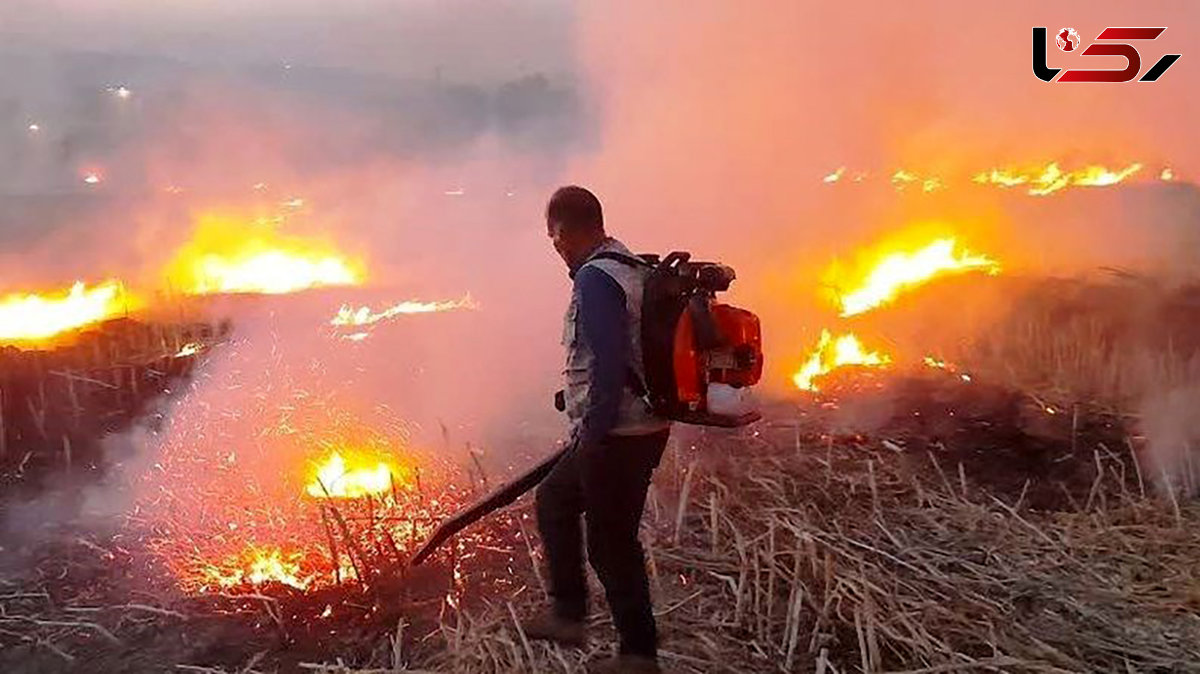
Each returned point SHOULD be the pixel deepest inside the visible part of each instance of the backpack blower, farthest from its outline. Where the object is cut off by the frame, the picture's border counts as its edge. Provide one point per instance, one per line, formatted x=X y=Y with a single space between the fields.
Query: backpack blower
x=700 y=357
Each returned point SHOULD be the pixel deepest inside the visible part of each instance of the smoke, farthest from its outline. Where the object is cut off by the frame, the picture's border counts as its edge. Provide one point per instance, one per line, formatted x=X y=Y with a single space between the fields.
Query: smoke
x=1172 y=439
x=719 y=121
x=421 y=138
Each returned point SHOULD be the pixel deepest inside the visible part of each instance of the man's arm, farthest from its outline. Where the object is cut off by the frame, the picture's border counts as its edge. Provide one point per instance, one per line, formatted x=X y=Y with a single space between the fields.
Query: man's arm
x=604 y=326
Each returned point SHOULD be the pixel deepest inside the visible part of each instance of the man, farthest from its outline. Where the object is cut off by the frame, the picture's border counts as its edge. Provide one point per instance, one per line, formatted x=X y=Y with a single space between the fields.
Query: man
x=616 y=442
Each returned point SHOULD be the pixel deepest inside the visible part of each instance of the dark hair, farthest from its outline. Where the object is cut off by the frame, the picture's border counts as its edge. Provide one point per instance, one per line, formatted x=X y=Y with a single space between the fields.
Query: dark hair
x=576 y=208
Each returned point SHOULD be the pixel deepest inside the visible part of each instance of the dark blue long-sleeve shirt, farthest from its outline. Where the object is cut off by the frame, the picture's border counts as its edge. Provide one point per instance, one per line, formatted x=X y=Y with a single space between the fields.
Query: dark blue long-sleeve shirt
x=603 y=323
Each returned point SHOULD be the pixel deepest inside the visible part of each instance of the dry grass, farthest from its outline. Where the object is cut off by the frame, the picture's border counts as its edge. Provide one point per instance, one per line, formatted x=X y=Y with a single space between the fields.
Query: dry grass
x=785 y=550
x=787 y=560
x=1112 y=341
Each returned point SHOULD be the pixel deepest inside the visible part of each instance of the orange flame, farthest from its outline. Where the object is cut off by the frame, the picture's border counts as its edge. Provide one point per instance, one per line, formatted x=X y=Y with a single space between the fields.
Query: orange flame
x=898 y=271
x=231 y=255
x=336 y=479
x=38 y=317
x=891 y=273
x=258 y=566
x=1052 y=178
x=938 y=364
x=831 y=354
x=1040 y=180
x=189 y=349
x=903 y=178
x=350 y=316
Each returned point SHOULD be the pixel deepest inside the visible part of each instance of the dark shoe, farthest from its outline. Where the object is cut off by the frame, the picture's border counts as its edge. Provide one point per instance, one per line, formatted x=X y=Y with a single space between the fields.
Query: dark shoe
x=549 y=627
x=626 y=664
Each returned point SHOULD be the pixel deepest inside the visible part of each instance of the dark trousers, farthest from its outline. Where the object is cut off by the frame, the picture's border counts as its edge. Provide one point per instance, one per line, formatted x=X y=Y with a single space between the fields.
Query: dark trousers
x=607 y=484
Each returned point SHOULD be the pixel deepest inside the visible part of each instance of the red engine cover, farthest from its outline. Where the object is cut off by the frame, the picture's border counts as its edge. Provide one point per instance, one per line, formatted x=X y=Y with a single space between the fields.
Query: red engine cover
x=738 y=362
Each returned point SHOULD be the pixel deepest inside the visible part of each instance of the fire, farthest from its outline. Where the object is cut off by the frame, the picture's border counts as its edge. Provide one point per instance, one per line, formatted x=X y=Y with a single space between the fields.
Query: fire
x=335 y=479
x=901 y=270
x=831 y=353
x=258 y=566
x=1039 y=180
x=189 y=349
x=1052 y=178
x=33 y=317
x=892 y=273
x=903 y=178
x=939 y=364
x=936 y=363
x=273 y=474
x=232 y=255
x=350 y=316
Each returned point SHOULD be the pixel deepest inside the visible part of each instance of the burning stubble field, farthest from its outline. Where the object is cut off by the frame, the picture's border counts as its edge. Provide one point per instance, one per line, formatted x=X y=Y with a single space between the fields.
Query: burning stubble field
x=1020 y=503
x=970 y=530
x=202 y=477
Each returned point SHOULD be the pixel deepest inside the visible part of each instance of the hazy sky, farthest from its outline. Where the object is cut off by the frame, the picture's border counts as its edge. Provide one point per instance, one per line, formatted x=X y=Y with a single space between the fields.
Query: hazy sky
x=468 y=38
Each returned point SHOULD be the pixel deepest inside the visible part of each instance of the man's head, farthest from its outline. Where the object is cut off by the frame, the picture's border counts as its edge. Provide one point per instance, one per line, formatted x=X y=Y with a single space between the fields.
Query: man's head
x=575 y=223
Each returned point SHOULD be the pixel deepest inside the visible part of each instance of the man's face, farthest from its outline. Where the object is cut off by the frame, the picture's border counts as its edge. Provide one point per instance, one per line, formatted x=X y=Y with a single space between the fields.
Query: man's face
x=564 y=242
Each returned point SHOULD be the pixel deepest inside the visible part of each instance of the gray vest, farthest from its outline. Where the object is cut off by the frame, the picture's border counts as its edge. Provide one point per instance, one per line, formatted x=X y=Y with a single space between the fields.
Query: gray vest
x=635 y=417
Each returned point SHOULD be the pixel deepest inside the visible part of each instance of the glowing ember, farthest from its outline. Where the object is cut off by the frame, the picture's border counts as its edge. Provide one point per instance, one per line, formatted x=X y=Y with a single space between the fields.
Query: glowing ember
x=901 y=178
x=1052 y=177
x=229 y=255
x=934 y=362
x=336 y=479
x=258 y=566
x=348 y=315
x=1001 y=178
x=831 y=354
x=900 y=270
x=1167 y=174
x=189 y=349
x=930 y=361
x=35 y=128
x=835 y=176
x=92 y=179
x=33 y=317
